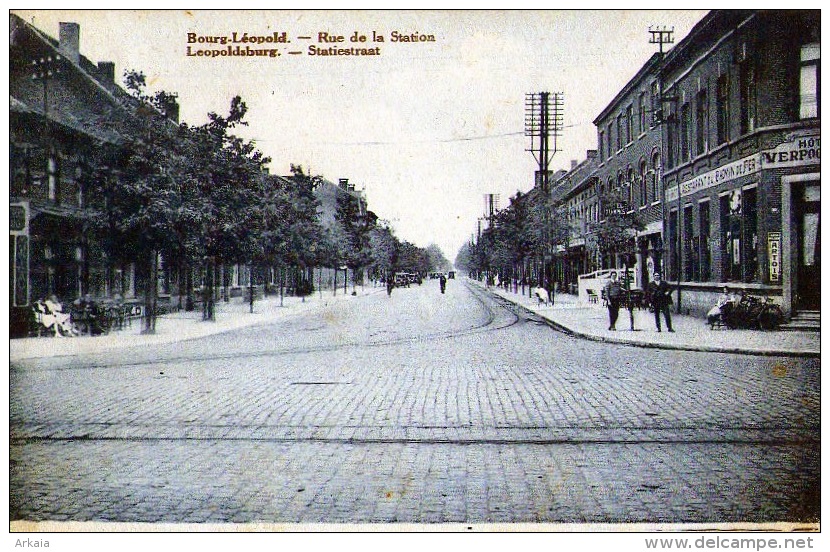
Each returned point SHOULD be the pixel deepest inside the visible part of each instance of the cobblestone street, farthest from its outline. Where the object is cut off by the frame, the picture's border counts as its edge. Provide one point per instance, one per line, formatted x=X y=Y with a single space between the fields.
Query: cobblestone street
x=418 y=408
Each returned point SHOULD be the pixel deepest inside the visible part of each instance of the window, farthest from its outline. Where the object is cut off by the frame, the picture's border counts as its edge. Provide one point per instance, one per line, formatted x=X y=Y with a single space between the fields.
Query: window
x=620 y=129
x=685 y=132
x=630 y=188
x=749 y=95
x=671 y=141
x=629 y=124
x=705 y=254
x=601 y=145
x=656 y=106
x=52 y=178
x=643 y=113
x=739 y=235
x=723 y=109
x=610 y=139
x=673 y=260
x=655 y=177
x=643 y=184
x=810 y=84
x=691 y=263
x=702 y=122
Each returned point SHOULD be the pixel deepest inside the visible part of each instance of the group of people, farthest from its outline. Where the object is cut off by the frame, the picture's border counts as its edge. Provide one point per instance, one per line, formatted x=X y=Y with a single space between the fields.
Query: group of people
x=658 y=296
x=84 y=317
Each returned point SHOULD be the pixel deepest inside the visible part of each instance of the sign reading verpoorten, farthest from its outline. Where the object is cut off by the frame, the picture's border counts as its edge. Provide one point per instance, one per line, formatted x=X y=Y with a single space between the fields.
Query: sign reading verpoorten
x=796 y=151
x=774 y=254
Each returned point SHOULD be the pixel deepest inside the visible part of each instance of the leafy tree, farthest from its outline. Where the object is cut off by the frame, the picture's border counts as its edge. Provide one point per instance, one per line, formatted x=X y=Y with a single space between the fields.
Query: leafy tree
x=230 y=175
x=437 y=260
x=141 y=212
x=383 y=247
x=616 y=236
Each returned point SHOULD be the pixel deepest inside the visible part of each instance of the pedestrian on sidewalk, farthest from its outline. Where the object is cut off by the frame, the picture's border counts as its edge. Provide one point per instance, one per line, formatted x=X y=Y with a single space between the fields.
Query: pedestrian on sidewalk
x=443 y=282
x=659 y=293
x=613 y=297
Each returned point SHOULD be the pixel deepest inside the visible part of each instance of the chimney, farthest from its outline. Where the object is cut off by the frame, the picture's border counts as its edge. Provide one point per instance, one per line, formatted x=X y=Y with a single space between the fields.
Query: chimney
x=573 y=164
x=70 y=41
x=344 y=183
x=107 y=71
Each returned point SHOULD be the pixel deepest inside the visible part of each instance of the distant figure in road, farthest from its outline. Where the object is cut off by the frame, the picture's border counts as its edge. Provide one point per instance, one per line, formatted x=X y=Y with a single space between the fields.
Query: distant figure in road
x=660 y=297
x=389 y=285
x=443 y=281
x=613 y=296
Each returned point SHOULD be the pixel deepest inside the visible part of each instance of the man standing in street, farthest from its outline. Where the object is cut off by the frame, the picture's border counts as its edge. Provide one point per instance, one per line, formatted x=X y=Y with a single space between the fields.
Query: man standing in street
x=660 y=294
x=613 y=298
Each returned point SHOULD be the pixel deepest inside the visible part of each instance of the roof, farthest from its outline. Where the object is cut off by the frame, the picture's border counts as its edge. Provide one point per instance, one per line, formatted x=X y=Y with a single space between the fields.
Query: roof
x=648 y=67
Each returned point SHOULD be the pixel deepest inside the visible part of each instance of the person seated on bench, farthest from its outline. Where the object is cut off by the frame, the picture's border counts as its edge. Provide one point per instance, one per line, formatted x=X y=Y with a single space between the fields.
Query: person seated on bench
x=63 y=320
x=725 y=302
x=88 y=314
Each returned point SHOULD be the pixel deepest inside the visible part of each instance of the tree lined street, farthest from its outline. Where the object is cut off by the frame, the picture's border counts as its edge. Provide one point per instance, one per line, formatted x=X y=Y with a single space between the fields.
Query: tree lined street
x=393 y=409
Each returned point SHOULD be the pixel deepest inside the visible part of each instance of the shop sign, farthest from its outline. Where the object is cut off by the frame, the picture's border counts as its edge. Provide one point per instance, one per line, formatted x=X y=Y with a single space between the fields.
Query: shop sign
x=797 y=151
x=774 y=255
x=742 y=167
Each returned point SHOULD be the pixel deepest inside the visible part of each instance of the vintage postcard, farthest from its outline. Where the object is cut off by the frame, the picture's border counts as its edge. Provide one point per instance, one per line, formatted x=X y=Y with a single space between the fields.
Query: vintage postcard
x=416 y=271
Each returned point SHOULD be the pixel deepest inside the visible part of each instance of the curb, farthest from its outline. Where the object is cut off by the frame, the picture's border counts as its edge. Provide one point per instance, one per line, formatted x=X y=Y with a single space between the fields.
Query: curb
x=558 y=326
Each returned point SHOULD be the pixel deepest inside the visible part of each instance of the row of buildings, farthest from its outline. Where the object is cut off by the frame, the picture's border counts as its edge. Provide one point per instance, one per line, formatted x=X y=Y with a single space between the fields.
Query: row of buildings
x=62 y=107
x=716 y=144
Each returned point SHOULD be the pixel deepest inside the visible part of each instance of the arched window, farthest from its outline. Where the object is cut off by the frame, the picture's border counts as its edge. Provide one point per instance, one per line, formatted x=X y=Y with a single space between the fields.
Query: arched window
x=643 y=185
x=656 y=170
x=630 y=185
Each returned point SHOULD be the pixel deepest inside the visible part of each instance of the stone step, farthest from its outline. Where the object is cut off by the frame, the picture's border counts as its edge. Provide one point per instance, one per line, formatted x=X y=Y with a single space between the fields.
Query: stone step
x=800 y=326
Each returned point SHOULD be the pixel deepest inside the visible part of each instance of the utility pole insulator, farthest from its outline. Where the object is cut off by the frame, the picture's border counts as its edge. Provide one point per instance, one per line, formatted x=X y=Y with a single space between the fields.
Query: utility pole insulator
x=661 y=36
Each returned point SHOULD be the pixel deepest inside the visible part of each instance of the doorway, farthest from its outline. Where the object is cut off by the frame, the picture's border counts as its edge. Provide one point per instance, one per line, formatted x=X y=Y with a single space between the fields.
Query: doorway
x=807 y=215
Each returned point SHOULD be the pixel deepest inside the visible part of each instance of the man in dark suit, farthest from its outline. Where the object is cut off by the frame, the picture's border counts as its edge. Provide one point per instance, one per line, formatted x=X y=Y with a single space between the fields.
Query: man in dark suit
x=660 y=295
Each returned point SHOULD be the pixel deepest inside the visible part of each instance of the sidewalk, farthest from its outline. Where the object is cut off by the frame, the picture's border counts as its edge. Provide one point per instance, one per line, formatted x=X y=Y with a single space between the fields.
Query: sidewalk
x=178 y=326
x=590 y=321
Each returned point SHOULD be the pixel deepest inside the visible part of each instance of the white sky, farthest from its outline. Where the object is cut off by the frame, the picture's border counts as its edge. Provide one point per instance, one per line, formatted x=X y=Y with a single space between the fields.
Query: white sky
x=427 y=128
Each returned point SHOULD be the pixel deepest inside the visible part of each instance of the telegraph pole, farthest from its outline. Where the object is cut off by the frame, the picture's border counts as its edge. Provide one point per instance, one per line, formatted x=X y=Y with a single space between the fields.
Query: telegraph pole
x=661 y=36
x=543 y=119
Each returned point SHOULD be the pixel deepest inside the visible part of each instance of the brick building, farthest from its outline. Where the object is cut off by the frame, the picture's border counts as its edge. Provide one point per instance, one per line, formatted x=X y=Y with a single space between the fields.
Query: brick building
x=741 y=143
x=59 y=102
x=629 y=161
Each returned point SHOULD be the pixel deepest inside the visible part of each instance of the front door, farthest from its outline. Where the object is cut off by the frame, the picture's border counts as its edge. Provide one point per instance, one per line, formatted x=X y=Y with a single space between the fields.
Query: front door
x=809 y=247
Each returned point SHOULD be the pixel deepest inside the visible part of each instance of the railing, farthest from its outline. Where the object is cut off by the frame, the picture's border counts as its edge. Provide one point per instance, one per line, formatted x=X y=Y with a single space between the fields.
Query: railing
x=595 y=281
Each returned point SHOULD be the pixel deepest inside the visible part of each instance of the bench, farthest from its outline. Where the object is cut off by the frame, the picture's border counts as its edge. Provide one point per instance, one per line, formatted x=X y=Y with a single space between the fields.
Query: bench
x=592 y=296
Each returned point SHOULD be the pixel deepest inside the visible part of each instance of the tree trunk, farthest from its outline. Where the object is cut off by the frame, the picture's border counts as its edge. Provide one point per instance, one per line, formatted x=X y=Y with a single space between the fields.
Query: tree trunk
x=226 y=283
x=188 y=304
x=251 y=287
x=150 y=293
x=207 y=292
x=282 y=285
x=628 y=296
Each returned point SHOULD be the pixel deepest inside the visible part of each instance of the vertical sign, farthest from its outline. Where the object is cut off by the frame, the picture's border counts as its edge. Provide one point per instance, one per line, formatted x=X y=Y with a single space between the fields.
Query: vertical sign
x=774 y=249
x=19 y=253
